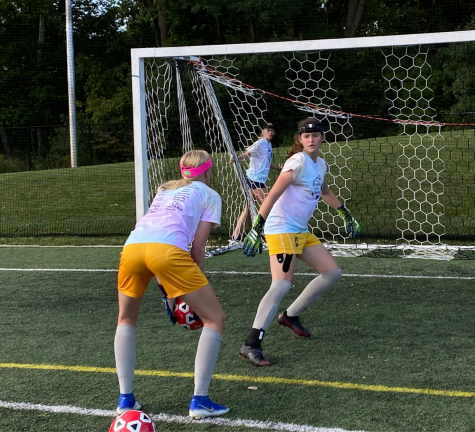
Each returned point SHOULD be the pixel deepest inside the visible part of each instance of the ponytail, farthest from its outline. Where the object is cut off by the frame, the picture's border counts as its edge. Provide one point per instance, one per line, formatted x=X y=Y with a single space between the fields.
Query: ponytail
x=174 y=184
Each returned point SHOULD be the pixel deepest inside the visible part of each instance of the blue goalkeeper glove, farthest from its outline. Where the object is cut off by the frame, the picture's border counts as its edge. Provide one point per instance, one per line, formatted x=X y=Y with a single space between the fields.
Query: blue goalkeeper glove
x=169 y=311
x=352 y=227
x=253 y=241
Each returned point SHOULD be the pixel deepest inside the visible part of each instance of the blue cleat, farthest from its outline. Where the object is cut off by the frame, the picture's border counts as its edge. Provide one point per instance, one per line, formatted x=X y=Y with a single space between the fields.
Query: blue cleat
x=126 y=403
x=202 y=406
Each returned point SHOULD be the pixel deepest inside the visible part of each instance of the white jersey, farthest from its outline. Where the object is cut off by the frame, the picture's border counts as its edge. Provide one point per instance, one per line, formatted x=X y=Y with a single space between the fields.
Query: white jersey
x=296 y=205
x=174 y=215
x=260 y=158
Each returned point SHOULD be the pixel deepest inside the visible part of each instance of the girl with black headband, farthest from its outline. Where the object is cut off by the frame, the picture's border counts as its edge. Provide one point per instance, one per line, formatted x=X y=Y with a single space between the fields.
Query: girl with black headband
x=283 y=218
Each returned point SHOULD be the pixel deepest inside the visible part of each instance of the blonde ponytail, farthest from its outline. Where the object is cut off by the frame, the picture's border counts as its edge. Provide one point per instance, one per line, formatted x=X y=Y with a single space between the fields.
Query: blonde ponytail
x=193 y=158
x=174 y=184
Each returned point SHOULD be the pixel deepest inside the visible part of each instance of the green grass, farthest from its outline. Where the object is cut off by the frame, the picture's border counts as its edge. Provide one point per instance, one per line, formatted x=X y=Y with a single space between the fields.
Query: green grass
x=399 y=333
x=100 y=201
x=96 y=200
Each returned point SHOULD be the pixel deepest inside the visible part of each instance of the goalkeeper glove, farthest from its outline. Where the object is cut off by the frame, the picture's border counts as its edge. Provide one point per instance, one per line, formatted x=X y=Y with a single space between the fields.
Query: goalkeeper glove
x=169 y=311
x=253 y=241
x=352 y=227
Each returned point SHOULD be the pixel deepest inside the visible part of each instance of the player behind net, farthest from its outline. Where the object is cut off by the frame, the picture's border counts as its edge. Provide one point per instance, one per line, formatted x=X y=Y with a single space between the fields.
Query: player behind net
x=283 y=217
x=182 y=212
x=260 y=162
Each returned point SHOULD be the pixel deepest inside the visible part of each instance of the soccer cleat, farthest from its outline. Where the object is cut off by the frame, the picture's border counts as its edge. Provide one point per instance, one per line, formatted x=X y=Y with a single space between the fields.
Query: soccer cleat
x=203 y=406
x=254 y=355
x=293 y=323
x=126 y=403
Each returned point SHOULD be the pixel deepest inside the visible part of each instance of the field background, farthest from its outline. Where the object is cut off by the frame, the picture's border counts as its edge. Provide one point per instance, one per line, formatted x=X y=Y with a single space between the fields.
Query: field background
x=99 y=200
x=392 y=347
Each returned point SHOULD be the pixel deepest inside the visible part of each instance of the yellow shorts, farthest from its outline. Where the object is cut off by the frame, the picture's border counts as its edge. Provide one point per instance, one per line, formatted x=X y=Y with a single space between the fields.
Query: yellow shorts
x=290 y=243
x=173 y=266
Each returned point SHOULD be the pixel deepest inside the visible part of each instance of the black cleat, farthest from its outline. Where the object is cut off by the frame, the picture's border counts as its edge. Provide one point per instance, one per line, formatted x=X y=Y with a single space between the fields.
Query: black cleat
x=254 y=355
x=293 y=323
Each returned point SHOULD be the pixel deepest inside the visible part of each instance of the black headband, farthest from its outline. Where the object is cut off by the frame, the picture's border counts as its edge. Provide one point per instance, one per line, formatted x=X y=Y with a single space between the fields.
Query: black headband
x=311 y=127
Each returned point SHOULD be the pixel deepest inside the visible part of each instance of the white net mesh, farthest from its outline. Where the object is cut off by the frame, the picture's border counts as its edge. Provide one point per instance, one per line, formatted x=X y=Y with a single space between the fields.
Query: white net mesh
x=407 y=73
x=394 y=184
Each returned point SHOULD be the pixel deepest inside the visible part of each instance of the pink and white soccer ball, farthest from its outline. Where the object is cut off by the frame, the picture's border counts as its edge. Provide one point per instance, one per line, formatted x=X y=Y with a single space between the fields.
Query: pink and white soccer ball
x=133 y=421
x=185 y=316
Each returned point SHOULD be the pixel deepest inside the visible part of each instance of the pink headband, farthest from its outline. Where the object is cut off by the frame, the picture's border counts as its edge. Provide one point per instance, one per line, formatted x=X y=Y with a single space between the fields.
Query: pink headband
x=196 y=171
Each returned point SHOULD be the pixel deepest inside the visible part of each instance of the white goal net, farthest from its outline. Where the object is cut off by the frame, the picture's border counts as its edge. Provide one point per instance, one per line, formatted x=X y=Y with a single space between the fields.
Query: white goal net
x=395 y=146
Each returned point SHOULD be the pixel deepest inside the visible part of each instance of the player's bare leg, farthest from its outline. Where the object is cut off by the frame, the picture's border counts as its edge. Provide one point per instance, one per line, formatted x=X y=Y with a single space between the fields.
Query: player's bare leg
x=240 y=223
x=257 y=194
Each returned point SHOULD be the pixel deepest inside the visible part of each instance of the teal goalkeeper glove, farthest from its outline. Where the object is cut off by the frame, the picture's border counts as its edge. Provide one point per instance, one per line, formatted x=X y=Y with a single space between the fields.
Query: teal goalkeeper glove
x=253 y=241
x=352 y=227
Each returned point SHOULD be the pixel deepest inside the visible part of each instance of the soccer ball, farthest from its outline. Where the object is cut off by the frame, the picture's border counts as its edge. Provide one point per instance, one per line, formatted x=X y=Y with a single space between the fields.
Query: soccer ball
x=133 y=421
x=186 y=316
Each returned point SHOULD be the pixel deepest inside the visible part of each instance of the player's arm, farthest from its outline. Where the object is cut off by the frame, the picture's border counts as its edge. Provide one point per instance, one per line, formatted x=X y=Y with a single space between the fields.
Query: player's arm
x=241 y=157
x=329 y=197
x=281 y=184
x=198 y=247
x=351 y=225
x=274 y=166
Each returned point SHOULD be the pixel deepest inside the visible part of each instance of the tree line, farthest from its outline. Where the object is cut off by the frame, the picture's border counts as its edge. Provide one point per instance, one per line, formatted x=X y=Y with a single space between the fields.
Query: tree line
x=33 y=73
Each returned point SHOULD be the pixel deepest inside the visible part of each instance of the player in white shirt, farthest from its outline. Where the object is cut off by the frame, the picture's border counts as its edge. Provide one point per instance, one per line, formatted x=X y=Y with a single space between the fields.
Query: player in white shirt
x=182 y=213
x=260 y=162
x=283 y=217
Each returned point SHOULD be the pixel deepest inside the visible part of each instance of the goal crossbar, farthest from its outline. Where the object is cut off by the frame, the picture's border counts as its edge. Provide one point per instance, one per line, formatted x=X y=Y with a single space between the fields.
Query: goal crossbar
x=307 y=45
x=414 y=151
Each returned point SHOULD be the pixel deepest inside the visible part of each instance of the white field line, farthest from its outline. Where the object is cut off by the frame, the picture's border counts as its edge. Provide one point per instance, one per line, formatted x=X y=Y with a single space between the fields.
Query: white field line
x=390 y=276
x=168 y=418
x=60 y=246
x=226 y=272
x=59 y=270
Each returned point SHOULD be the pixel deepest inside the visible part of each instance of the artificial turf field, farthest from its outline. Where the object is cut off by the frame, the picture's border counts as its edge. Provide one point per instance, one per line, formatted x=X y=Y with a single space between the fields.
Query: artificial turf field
x=392 y=347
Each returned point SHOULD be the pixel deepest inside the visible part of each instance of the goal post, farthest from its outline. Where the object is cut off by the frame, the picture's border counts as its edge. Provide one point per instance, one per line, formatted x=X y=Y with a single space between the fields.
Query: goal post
x=391 y=140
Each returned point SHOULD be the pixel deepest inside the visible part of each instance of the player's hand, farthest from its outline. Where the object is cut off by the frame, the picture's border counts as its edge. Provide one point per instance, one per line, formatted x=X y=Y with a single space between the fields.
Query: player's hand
x=253 y=241
x=351 y=225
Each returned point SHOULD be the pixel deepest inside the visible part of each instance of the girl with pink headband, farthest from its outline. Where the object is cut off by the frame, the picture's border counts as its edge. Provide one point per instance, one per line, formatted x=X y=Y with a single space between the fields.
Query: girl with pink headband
x=182 y=213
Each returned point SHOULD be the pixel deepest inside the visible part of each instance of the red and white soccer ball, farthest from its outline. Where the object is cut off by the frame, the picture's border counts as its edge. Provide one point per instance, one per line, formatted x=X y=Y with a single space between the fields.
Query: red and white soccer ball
x=133 y=421
x=186 y=316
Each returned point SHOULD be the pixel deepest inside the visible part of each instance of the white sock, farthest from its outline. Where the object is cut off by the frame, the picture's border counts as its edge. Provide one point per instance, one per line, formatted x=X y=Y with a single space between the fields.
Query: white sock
x=124 y=349
x=205 y=360
x=269 y=303
x=313 y=291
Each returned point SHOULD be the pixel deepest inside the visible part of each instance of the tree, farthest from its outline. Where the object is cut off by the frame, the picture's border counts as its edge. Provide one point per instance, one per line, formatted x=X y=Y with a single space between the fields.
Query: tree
x=355 y=15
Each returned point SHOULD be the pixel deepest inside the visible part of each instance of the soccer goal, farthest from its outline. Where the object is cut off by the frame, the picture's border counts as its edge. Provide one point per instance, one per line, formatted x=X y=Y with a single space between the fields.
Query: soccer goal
x=399 y=120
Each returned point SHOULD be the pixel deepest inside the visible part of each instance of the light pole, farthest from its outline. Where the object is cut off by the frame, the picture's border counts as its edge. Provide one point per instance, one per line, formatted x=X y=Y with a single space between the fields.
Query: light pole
x=71 y=86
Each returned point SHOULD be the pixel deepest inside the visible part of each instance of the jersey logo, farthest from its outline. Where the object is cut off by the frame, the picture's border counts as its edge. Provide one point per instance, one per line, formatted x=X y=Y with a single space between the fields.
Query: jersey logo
x=317 y=187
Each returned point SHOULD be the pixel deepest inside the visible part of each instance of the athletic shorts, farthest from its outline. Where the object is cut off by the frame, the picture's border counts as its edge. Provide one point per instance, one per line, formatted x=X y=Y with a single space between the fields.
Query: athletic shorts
x=290 y=243
x=255 y=185
x=173 y=266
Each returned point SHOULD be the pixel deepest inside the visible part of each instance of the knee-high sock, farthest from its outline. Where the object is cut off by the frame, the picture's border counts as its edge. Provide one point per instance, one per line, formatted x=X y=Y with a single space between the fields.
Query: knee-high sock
x=313 y=291
x=124 y=348
x=269 y=303
x=205 y=360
